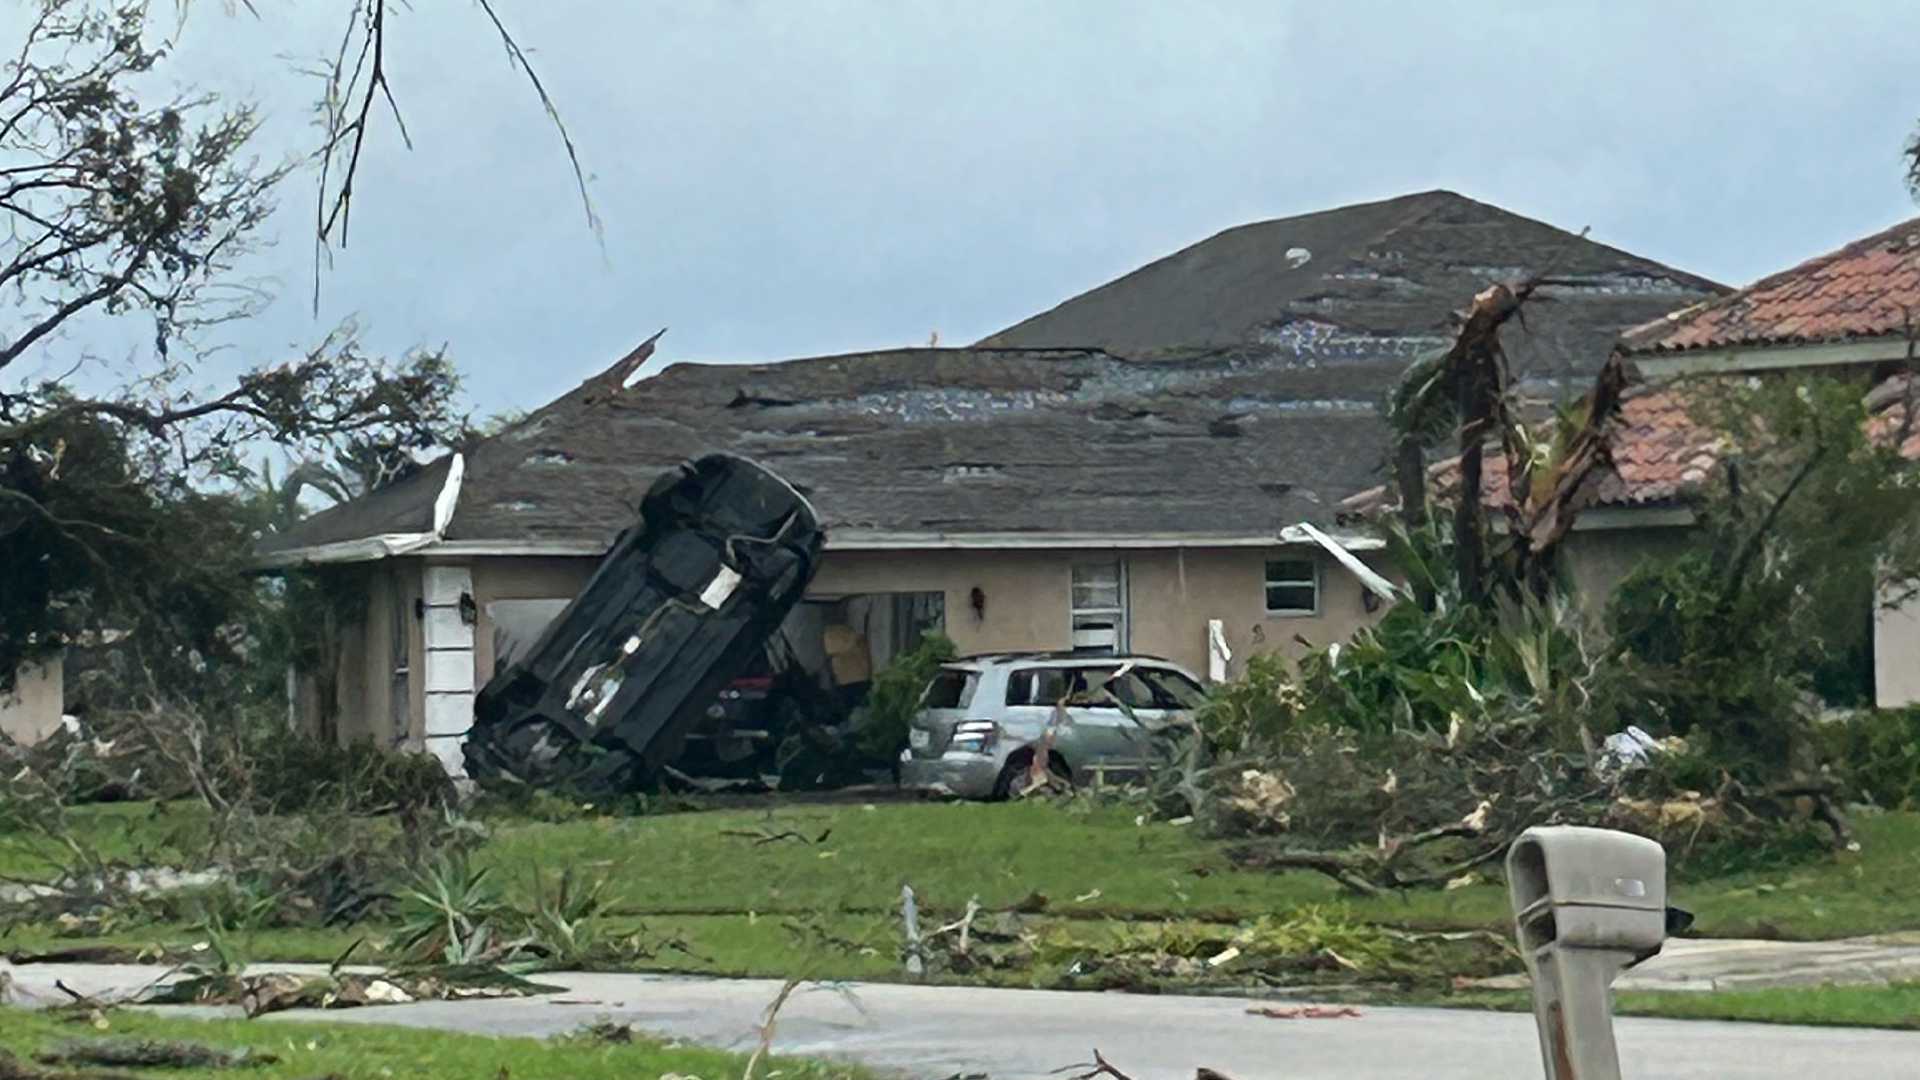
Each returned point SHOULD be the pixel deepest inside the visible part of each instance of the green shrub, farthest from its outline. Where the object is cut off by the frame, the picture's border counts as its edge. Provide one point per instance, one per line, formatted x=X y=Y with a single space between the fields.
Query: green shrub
x=293 y=773
x=894 y=695
x=1255 y=709
x=1876 y=754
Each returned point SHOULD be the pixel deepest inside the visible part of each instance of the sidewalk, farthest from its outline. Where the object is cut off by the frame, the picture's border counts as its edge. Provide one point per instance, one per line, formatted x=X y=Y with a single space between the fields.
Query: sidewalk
x=1735 y=964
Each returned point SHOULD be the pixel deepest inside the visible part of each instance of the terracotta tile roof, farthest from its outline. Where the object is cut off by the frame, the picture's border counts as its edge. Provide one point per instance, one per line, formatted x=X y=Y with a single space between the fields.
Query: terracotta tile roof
x=1864 y=290
x=1660 y=452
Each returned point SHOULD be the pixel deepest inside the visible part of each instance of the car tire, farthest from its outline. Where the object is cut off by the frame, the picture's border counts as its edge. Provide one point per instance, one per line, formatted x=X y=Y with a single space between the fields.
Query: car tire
x=1013 y=775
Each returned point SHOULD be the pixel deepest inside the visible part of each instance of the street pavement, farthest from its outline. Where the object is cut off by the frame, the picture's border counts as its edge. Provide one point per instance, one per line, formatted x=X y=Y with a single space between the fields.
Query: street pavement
x=932 y=1033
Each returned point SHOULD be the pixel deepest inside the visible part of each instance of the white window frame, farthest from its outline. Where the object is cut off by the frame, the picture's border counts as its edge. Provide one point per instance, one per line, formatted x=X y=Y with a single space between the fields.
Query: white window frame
x=1268 y=582
x=1123 y=635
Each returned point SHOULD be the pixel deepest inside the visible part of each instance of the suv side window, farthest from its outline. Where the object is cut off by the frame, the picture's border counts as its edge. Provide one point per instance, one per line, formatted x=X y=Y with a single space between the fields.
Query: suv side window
x=1048 y=685
x=1034 y=686
x=1172 y=689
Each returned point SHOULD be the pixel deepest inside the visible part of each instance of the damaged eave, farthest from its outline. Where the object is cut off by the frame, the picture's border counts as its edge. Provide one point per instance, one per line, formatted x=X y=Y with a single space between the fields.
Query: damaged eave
x=375 y=548
x=1343 y=553
x=1739 y=358
x=1064 y=541
x=893 y=541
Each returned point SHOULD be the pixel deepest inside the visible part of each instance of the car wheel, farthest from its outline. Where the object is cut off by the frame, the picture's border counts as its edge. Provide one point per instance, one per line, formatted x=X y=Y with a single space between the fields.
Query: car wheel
x=1016 y=777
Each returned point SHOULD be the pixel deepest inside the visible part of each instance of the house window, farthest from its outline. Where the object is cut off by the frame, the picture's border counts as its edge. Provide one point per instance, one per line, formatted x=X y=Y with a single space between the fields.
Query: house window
x=1293 y=587
x=1099 y=607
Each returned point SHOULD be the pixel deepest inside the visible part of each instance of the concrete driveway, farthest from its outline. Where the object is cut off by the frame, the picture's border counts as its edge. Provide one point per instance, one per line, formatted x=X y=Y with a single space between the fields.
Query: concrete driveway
x=931 y=1033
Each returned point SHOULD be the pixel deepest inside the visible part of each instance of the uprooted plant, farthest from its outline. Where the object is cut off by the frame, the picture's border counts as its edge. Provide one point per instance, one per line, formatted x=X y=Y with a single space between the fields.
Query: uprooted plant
x=1311 y=944
x=451 y=915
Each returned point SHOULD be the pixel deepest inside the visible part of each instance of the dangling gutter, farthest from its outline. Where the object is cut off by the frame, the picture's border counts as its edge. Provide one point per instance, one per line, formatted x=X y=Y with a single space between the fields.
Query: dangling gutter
x=1374 y=582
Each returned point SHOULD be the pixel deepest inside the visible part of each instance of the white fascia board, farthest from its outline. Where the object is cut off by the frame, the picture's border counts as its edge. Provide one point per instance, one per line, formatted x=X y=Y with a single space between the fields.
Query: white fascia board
x=874 y=541
x=431 y=544
x=1736 y=359
x=1071 y=541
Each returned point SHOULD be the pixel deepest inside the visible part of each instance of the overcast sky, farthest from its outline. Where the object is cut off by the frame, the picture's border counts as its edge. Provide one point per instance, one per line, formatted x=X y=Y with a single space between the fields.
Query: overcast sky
x=784 y=178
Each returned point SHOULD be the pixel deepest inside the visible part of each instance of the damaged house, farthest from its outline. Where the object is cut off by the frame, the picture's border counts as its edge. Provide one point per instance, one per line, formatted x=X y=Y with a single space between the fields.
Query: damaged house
x=1849 y=311
x=1153 y=466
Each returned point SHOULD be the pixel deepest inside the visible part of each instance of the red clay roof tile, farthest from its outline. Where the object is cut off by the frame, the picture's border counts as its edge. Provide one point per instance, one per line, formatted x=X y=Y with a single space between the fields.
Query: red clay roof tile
x=1870 y=288
x=1659 y=451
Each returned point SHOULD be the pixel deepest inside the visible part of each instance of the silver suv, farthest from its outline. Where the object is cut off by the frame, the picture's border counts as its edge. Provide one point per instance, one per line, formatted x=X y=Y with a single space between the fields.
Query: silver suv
x=983 y=720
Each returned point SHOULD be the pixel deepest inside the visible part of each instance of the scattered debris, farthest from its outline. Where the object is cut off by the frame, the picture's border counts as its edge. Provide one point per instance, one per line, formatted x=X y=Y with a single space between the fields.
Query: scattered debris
x=768 y=836
x=141 y=1053
x=910 y=917
x=768 y=1025
x=12 y=1068
x=1102 y=1067
x=272 y=992
x=1307 y=1012
x=609 y=1031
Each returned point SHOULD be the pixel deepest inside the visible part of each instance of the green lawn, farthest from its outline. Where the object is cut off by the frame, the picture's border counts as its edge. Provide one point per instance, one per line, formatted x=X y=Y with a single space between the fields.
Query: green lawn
x=1896 y=1006
x=812 y=889
x=1100 y=863
x=377 y=1052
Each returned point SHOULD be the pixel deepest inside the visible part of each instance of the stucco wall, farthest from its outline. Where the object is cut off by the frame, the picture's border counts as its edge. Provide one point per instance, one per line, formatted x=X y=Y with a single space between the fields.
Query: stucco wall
x=1896 y=654
x=32 y=709
x=1597 y=559
x=1172 y=595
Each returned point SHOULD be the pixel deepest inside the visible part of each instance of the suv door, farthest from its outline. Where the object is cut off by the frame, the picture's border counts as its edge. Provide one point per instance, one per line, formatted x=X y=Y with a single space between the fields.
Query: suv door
x=1098 y=730
x=1157 y=699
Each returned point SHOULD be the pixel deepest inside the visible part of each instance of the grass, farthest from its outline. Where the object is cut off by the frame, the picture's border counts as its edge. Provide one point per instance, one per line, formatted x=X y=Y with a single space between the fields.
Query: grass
x=393 y=1053
x=1100 y=863
x=1895 y=1006
x=812 y=890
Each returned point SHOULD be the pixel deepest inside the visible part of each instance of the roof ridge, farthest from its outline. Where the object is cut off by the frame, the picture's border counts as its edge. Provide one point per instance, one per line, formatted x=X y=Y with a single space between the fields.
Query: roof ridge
x=1809 y=266
x=1661 y=334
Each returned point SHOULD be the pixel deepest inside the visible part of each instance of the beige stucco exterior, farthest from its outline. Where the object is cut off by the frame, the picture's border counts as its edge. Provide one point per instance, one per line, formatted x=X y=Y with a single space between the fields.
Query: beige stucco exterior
x=1896 y=650
x=1172 y=594
x=1598 y=558
x=32 y=709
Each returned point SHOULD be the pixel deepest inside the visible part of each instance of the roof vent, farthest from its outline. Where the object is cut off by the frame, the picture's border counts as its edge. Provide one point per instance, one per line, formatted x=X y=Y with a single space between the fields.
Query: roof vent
x=1297 y=257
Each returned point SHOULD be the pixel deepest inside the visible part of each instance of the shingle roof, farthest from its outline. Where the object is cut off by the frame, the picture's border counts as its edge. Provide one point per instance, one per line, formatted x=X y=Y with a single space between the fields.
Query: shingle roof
x=1232 y=388
x=1370 y=279
x=927 y=441
x=1870 y=288
x=404 y=507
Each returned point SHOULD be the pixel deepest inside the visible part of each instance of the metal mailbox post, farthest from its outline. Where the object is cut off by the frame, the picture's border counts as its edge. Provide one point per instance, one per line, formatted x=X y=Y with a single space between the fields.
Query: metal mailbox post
x=1587 y=905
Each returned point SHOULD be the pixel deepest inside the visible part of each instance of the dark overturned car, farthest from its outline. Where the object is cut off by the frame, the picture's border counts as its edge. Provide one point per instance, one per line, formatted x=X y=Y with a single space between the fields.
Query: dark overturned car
x=678 y=611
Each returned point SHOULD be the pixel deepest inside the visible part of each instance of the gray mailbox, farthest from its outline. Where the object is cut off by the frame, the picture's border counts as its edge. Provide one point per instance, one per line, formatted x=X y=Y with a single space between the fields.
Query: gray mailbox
x=1587 y=904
